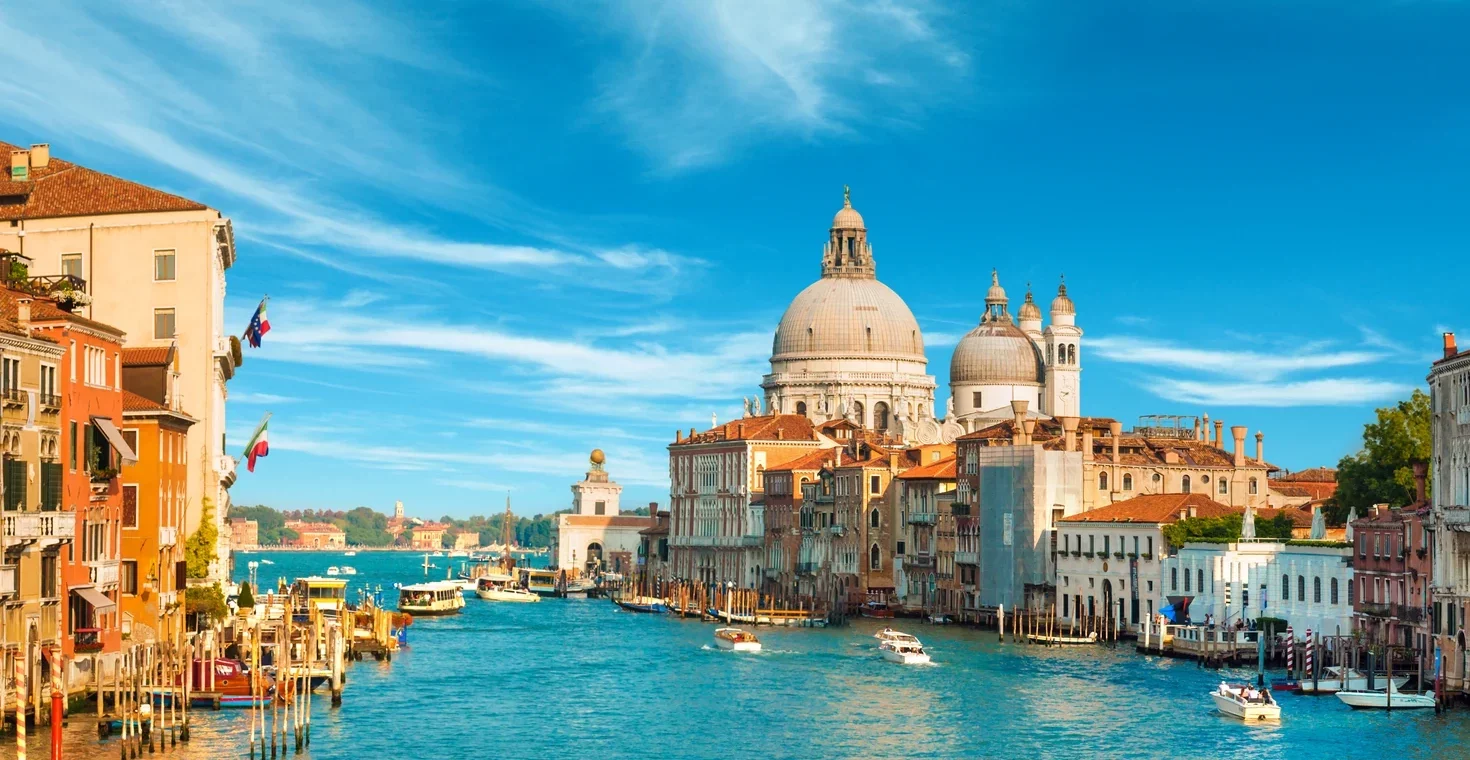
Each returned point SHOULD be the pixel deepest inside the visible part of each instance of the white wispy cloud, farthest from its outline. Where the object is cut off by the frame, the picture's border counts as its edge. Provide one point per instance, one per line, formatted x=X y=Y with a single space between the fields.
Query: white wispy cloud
x=1320 y=392
x=473 y=485
x=247 y=397
x=1233 y=363
x=698 y=79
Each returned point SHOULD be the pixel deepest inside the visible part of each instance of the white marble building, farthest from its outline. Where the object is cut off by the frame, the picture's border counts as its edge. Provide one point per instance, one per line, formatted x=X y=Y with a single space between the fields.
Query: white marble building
x=1308 y=586
x=595 y=537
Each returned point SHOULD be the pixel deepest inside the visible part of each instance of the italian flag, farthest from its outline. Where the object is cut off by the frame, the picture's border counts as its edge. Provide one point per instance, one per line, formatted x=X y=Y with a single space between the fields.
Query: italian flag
x=258 y=446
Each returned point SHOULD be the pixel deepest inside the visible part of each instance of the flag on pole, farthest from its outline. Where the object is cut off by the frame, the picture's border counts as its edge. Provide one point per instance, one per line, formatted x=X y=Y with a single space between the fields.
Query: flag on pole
x=258 y=447
x=259 y=325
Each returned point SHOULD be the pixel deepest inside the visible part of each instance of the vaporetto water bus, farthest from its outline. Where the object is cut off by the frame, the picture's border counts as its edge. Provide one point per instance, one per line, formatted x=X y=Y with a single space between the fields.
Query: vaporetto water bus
x=437 y=598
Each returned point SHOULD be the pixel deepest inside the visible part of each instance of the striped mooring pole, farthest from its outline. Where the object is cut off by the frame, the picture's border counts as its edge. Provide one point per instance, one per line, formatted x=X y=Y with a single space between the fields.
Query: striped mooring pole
x=1290 y=651
x=1307 y=658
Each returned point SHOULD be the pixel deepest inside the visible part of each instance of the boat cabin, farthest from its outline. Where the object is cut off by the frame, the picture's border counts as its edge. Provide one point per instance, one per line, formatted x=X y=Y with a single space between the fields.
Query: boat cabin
x=325 y=595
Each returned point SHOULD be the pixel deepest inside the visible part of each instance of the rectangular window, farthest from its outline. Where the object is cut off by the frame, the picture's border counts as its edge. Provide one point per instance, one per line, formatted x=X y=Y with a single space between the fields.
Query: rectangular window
x=163 y=265
x=130 y=506
x=72 y=446
x=131 y=438
x=975 y=402
x=71 y=265
x=50 y=486
x=15 y=484
x=127 y=577
x=1224 y=485
x=49 y=576
x=10 y=377
x=48 y=386
x=599 y=508
x=163 y=323
x=873 y=485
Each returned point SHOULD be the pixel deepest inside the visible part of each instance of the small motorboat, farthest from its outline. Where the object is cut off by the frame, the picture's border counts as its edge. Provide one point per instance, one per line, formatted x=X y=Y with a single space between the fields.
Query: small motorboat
x=1337 y=678
x=939 y=618
x=503 y=589
x=642 y=604
x=1061 y=641
x=334 y=570
x=1390 y=698
x=350 y=553
x=737 y=640
x=902 y=648
x=876 y=610
x=349 y=570
x=1246 y=702
x=579 y=588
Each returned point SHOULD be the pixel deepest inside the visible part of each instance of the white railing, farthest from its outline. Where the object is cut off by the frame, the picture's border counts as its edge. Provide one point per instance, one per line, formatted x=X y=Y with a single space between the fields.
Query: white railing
x=967 y=558
x=168 y=535
x=9 y=579
x=41 y=525
x=104 y=572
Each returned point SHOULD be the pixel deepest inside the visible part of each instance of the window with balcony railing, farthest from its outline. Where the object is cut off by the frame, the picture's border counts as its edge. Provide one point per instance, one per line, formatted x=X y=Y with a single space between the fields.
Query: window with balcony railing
x=15 y=484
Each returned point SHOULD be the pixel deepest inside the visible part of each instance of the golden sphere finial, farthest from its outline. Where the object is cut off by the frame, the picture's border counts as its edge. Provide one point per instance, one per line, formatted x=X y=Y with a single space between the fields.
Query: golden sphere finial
x=598 y=457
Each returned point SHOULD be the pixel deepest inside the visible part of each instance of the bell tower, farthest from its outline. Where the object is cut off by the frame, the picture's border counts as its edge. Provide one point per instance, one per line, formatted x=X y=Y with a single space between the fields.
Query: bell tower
x=1063 y=338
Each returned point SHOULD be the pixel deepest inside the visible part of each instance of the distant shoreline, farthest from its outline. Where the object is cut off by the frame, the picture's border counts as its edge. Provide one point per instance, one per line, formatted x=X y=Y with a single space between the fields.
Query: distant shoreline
x=404 y=550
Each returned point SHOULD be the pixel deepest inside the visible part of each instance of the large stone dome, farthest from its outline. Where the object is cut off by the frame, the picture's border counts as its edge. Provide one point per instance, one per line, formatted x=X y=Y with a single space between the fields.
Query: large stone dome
x=996 y=353
x=849 y=317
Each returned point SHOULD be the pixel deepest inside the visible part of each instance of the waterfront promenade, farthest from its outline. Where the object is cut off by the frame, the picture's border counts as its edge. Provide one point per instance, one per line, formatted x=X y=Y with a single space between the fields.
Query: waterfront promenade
x=579 y=678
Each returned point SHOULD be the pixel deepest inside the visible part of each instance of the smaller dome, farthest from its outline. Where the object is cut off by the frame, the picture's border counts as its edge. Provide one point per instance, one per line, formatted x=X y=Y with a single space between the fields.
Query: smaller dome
x=1062 y=304
x=996 y=353
x=996 y=294
x=1029 y=311
x=847 y=217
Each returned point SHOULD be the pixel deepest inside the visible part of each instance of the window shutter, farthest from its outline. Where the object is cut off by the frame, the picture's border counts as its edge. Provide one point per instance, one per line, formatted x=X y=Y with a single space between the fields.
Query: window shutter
x=87 y=450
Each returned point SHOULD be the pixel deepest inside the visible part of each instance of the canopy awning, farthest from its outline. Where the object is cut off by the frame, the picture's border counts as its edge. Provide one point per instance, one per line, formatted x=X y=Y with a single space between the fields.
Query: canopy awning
x=115 y=437
x=97 y=599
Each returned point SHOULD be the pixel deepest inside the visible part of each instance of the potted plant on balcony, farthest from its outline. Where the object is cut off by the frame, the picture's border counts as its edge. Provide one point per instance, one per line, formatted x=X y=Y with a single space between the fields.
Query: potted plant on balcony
x=1117 y=555
x=69 y=297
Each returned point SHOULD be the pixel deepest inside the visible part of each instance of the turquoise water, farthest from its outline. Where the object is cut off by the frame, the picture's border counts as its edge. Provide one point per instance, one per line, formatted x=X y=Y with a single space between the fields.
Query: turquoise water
x=580 y=678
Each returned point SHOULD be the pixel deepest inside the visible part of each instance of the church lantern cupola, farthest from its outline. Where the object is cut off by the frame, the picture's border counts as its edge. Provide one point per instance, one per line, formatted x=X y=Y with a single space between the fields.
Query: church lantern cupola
x=848 y=253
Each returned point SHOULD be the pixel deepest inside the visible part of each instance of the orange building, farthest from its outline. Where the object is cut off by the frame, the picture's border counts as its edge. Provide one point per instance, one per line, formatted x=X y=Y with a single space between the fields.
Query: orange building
x=318 y=535
x=428 y=536
x=154 y=493
x=89 y=386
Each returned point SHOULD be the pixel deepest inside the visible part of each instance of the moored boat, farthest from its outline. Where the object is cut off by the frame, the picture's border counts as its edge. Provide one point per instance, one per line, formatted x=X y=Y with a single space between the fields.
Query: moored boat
x=737 y=640
x=1337 y=678
x=437 y=598
x=334 y=570
x=1246 y=702
x=349 y=570
x=877 y=610
x=642 y=604
x=1388 y=699
x=1061 y=641
x=580 y=588
x=540 y=582
x=502 y=588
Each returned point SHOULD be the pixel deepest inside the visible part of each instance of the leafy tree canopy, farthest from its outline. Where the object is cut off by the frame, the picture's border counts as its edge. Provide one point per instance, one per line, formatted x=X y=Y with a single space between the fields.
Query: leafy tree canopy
x=1225 y=528
x=1382 y=472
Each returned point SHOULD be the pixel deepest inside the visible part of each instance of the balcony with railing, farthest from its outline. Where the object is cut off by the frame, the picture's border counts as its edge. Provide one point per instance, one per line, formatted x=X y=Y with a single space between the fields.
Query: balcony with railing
x=13 y=396
x=920 y=561
x=50 y=402
x=68 y=290
x=922 y=518
x=967 y=558
x=104 y=572
x=88 y=640
x=35 y=526
x=807 y=568
x=168 y=535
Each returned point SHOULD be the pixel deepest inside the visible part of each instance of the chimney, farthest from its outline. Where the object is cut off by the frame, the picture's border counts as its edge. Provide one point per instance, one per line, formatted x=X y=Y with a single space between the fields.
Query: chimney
x=1018 y=408
x=40 y=155
x=740 y=430
x=1260 y=446
x=1204 y=433
x=892 y=461
x=20 y=165
x=839 y=456
x=1449 y=345
x=1238 y=433
x=780 y=434
x=1069 y=433
x=23 y=314
x=1196 y=429
x=678 y=435
x=1219 y=441
x=1087 y=444
x=691 y=432
x=1029 y=425
x=1421 y=470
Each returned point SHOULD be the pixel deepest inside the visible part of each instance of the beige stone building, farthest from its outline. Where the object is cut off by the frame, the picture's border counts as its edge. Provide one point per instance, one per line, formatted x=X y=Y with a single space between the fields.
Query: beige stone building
x=154 y=266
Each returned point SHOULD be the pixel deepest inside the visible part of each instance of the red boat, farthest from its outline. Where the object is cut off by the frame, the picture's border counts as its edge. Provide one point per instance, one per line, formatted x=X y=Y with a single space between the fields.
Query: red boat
x=230 y=679
x=875 y=610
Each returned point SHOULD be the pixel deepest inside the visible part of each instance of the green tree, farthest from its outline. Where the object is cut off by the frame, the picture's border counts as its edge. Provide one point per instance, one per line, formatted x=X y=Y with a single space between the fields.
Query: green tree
x=1382 y=472
x=205 y=604
x=1225 y=528
x=246 y=599
x=200 y=549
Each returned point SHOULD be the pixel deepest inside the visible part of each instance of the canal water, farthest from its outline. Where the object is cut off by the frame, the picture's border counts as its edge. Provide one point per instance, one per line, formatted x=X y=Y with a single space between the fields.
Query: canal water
x=580 y=678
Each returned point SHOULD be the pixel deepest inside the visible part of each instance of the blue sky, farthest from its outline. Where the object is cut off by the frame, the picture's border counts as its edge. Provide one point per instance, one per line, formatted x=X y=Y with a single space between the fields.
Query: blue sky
x=497 y=235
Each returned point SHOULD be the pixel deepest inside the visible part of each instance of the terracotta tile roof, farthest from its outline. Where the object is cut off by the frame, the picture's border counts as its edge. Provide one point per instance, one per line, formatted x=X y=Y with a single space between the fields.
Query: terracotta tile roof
x=772 y=427
x=1133 y=450
x=610 y=521
x=1156 y=508
x=1292 y=491
x=147 y=356
x=431 y=526
x=66 y=189
x=44 y=310
x=315 y=528
x=132 y=402
x=812 y=460
x=944 y=469
x=1312 y=475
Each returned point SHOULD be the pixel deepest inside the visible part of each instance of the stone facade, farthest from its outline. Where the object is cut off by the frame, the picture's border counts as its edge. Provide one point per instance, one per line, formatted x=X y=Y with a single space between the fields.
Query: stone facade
x=596 y=537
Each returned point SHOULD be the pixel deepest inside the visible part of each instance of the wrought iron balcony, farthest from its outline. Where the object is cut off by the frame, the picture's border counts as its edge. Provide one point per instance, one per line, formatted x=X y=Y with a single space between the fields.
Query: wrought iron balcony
x=14 y=396
x=31 y=526
x=50 y=402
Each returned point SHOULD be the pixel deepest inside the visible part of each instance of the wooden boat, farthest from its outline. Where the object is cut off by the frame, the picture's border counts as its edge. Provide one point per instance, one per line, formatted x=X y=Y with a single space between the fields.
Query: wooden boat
x=730 y=617
x=1337 y=678
x=737 y=640
x=1384 y=700
x=902 y=648
x=437 y=598
x=1061 y=641
x=502 y=588
x=540 y=582
x=877 y=610
x=1247 y=703
x=325 y=595
x=580 y=588
x=642 y=604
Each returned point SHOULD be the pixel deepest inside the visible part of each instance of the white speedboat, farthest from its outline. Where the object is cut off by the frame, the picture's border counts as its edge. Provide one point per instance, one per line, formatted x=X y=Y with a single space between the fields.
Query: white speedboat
x=334 y=570
x=502 y=589
x=349 y=570
x=1247 y=703
x=438 y=598
x=350 y=553
x=1384 y=700
x=1339 y=678
x=737 y=640
x=902 y=648
x=579 y=588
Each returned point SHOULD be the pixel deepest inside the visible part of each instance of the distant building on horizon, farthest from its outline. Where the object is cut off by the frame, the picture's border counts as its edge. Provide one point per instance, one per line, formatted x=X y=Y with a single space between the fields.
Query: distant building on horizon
x=427 y=535
x=317 y=535
x=244 y=534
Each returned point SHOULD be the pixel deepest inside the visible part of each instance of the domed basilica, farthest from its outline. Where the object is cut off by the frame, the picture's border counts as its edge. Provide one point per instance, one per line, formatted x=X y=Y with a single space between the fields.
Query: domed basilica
x=848 y=347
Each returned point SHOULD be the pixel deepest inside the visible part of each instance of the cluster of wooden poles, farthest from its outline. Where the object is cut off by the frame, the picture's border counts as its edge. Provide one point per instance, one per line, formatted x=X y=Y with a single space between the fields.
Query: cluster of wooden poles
x=696 y=598
x=280 y=707
x=1045 y=627
x=149 y=697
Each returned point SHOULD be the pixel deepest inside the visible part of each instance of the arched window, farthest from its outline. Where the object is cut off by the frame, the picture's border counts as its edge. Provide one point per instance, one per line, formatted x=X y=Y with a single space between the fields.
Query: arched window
x=801 y=408
x=1317 y=589
x=1285 y=588
x=873 y=519
x=1173 y=579
x=1224 y=485
x=1301 y=588
x=1332 y=589
x=1049 y=352
x=1184 y=487
x=1127 y=482
x=875 y=560
x=1072 y=353
x=880 y=415
x=1102 y=481
x=1253 y=487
